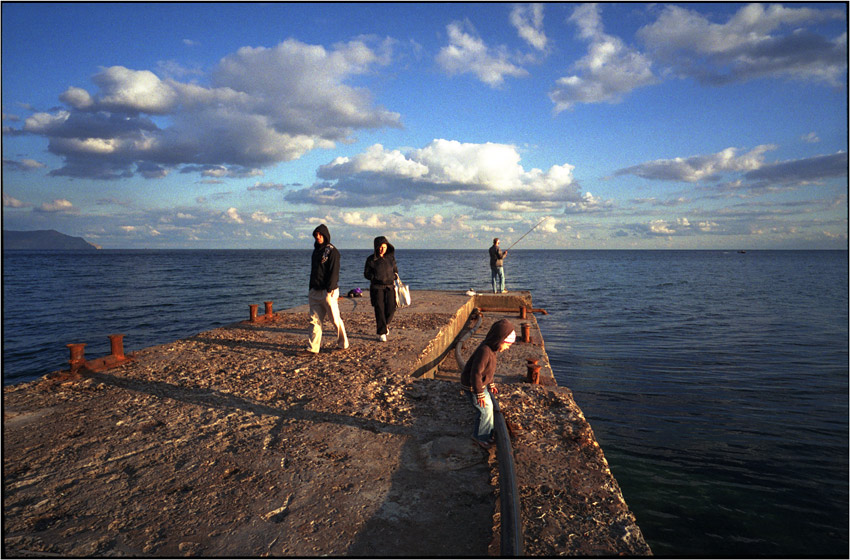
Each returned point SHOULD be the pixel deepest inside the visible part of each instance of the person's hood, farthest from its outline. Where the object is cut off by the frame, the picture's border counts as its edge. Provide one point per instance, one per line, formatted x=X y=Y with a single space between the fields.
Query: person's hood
x=497 y=334
x=323 y=229
x=390 y=249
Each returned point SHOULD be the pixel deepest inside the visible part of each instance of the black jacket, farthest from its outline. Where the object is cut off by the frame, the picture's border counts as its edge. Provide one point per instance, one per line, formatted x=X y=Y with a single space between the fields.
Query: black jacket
x=481 y=366
x=324 y=269
x=381 y=271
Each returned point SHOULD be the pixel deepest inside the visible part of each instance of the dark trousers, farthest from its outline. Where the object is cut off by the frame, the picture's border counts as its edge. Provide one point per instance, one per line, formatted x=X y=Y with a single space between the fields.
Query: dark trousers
x=383 y=300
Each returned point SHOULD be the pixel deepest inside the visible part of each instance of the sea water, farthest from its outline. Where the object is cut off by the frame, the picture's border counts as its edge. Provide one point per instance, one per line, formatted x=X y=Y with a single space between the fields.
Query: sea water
x=716 y=382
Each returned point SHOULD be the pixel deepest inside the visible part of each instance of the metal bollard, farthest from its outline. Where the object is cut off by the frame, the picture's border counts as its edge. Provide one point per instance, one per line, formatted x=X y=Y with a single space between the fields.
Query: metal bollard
x=116 y=343
x=78 y=358
x=533 y=373
x=253 y=312
x=526 y=334
x=268 y=309
x=523 y=312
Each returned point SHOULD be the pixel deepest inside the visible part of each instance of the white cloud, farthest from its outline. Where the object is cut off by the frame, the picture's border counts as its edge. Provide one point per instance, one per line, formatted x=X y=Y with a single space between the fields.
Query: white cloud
x=126 y=90
x=232 y=215
x=549 y=225
x=58 y=205
x=587 y=204
x=810 y=138
x=78 y=98
x=261 y=217
x=374 y=160
x=25 y=164
x=749 y=45
x=10 y=202
x=699 y=168
x=467 y=52
x=608 y=72
x=484 y=176
x=528 y=21
x=262 y=106
x=356 y=219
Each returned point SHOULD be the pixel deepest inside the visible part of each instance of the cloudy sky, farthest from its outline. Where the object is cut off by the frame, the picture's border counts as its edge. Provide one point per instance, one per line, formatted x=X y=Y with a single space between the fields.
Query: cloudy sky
x=626 y=126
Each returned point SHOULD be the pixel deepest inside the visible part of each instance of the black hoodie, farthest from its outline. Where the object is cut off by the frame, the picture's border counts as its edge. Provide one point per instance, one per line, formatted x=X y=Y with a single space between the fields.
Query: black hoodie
x=481 y=366
x=324 y=269
x=381 y=271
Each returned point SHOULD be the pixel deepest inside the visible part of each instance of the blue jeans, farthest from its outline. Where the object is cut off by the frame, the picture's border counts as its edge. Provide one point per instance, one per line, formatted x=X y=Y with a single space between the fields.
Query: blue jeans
x=498 y=276
x=483 y=428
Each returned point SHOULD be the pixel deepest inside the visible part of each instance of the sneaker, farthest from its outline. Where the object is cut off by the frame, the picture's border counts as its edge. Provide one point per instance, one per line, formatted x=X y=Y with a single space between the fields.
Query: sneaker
x=482 y=444
x=382 y=338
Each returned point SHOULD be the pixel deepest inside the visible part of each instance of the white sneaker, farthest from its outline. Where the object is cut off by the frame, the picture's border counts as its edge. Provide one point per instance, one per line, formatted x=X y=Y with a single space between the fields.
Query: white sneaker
x=382 y=338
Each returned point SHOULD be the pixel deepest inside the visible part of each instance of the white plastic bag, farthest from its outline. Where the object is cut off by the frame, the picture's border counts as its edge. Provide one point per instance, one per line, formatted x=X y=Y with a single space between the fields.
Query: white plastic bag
x=402 y=293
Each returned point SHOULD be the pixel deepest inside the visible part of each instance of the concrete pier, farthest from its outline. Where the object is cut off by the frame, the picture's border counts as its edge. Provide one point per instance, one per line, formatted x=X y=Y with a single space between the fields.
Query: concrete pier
x=230 y=443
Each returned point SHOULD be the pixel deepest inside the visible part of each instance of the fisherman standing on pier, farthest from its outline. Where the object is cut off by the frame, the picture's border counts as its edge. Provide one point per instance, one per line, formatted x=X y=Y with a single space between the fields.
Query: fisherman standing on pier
x=324 y=290
x=381 y=271
x=477 y=378
x=497 y=270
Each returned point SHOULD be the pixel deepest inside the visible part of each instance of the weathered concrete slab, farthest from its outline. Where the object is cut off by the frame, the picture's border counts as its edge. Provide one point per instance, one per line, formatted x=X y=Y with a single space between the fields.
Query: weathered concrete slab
x=229 y=443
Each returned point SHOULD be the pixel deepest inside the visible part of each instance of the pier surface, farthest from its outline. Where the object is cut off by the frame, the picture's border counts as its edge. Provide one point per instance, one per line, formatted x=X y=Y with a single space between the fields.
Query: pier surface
x=229 y=443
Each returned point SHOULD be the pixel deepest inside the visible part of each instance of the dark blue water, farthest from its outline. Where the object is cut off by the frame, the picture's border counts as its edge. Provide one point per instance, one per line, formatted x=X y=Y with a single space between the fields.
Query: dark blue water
x=716 y=382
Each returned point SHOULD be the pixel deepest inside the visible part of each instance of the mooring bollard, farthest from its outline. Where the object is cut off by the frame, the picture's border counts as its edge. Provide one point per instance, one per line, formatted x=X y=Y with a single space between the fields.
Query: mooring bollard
x=253 y=312
x=78 y=358
x=116 y=343
x=526 y=335
x=268 y=309
x=533 y=374
x=523 y=312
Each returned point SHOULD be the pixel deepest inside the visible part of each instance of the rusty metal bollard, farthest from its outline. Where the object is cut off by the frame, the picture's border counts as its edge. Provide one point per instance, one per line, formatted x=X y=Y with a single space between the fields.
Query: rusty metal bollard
x=526 y=334
x=523 y=312
x=253 y=312
x=268 y=309
x=78 y=358
x=533 y=374
x=116 y=343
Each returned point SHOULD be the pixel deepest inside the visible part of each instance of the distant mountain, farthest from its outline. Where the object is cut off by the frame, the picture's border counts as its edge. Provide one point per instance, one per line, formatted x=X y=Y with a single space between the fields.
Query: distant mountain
x=44 y=240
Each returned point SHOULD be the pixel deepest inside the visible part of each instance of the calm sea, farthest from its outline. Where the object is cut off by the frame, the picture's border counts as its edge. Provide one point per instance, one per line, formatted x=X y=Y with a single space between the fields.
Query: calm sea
x=715 y=381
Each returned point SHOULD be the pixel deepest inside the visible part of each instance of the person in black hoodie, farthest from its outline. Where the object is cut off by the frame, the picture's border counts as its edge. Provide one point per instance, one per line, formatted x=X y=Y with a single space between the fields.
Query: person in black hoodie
x=381 y=271
x=324 y=290
x=477 y=378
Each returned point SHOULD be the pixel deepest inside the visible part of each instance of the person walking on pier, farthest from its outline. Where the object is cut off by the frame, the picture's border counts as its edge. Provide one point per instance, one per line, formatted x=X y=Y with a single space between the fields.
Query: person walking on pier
x=497 y=269
x=477 y=378
x=381 y=271
x=324 y=290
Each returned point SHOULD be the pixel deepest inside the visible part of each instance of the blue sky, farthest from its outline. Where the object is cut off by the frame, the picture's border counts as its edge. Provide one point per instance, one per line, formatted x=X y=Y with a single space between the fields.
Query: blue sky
x=439 y=125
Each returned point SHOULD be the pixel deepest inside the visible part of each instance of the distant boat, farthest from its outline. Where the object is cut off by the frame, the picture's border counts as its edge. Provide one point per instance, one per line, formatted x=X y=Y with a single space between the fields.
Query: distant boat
x=742 y=252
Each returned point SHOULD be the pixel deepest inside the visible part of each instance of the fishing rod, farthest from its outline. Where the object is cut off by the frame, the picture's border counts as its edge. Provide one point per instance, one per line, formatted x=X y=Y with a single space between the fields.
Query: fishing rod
x=526 y=233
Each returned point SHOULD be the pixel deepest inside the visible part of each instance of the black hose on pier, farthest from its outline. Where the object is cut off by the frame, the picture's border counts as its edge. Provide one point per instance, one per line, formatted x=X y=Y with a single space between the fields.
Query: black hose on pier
x=511 y=521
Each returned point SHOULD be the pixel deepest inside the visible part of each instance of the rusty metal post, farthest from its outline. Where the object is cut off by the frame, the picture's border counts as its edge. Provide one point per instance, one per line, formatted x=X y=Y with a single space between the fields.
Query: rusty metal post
x=526 y=335
x=268 y=309
x=523 y=312
x=253 y=312
x=116 y=343
x=78 y=357
x=531 y=367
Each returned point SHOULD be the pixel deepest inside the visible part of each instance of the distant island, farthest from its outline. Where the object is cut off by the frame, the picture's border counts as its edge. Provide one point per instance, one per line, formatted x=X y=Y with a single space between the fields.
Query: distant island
x=44 y=240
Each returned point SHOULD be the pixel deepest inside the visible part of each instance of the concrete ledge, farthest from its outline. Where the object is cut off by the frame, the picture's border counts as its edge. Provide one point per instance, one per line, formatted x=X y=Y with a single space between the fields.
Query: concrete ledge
x=232 y=443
